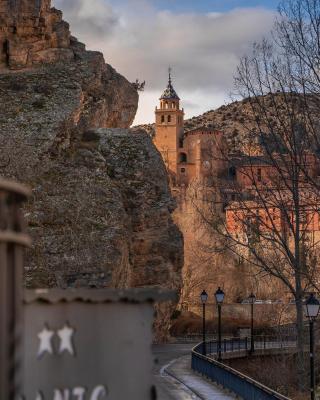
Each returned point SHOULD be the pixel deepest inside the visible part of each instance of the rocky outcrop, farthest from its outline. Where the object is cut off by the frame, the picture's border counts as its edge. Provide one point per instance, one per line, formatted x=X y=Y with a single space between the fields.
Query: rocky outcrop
x=31 y=33
x=100 y=215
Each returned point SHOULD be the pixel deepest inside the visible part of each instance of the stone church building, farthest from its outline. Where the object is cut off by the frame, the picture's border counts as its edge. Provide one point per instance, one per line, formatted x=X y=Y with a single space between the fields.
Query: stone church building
x=188 y=155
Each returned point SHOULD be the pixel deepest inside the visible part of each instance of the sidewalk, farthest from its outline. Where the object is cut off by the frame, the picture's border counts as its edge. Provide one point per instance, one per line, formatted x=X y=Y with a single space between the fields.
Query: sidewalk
x=180 y=370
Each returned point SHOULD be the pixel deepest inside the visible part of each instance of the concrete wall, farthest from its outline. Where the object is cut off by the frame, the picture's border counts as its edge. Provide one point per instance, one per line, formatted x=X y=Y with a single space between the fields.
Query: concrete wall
x=112 y=350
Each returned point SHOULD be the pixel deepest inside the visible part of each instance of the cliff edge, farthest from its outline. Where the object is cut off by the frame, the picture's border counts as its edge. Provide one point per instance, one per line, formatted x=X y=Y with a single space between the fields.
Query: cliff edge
x=100 y=215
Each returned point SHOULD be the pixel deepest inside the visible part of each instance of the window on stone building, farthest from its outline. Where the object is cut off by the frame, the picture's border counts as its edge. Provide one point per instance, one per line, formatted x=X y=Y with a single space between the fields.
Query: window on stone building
x=169 y=118
x=181 y=143
x=232 y=172
x=183 y=170
x=259 y=174
x=173 y=105
x=162 y=119
x=182 y=158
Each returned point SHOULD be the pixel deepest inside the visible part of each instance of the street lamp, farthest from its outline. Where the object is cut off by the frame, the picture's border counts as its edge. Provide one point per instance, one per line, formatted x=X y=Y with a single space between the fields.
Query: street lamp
x=311 y=308
x=219 y=295
x=204 y=298
x=252 y=300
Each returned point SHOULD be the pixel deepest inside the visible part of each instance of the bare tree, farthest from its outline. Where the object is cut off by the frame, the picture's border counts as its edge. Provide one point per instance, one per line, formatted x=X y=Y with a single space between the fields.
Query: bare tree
x=271 y=222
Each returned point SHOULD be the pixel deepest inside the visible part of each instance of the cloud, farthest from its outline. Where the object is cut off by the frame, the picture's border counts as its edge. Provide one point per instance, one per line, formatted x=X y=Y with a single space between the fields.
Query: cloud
x=91 y=19
x=141 y=42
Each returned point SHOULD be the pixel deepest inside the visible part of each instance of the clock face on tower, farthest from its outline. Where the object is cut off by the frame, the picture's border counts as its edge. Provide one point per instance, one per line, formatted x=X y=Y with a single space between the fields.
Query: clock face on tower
x=206 y=164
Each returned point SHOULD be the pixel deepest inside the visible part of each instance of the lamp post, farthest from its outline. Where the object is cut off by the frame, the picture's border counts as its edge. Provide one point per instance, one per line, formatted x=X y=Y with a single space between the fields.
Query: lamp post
x=219 y=295
x=252 y=300
x=204 y=298
x=311 y=308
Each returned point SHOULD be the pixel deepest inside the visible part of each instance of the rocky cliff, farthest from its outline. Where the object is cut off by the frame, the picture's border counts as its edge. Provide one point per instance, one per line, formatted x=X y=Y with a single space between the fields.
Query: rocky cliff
x=100 y=214
x=32 y=33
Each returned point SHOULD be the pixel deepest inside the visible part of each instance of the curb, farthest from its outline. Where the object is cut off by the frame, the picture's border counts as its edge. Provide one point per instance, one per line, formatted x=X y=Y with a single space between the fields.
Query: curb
x=166 y=370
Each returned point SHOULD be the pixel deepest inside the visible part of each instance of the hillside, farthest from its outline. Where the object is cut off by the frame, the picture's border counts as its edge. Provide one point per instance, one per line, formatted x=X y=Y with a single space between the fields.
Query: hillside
x=237 y=120
x=233 y=119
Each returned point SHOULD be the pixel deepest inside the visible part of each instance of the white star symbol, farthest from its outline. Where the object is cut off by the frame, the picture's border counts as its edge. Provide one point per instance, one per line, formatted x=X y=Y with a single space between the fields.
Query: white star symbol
x=45 y=337
x=65 y=334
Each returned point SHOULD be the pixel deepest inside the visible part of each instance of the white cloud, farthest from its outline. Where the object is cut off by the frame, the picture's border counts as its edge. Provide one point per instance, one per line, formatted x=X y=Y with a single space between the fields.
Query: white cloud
x=141 y=42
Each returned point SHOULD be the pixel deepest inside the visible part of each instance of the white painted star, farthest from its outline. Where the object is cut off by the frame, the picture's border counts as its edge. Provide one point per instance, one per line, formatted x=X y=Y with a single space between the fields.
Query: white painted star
x=66 y=334
x=45 y=345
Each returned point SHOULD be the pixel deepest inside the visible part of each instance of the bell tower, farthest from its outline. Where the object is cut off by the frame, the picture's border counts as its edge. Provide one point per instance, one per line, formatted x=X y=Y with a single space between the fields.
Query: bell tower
x=169 y=126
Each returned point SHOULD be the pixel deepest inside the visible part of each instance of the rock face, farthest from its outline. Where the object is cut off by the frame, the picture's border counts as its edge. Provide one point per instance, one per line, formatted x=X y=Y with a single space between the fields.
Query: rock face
x=100 y=214
x=31 y=32
x=101 y=217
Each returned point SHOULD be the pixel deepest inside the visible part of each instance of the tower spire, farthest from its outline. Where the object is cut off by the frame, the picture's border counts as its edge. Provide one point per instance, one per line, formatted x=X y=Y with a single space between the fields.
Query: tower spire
x=170 y=93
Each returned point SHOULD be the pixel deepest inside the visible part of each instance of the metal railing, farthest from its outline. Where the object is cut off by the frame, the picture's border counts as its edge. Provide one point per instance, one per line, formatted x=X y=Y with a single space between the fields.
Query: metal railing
x=238 y=383
x=262 y=343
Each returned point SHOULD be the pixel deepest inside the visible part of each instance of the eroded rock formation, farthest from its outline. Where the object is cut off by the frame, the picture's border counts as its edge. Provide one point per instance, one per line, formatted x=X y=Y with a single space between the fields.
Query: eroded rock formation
x=101 y=208
x=31 y=32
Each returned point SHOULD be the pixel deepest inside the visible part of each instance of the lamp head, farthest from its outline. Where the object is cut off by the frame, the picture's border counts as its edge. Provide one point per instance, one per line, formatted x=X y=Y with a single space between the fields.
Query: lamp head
x=312 y=307
x=252 y=298
x=204 y=297
x=219 y=295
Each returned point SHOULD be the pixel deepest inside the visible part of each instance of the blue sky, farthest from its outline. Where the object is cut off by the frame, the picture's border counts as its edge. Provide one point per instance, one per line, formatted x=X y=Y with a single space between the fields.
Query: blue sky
x=202 y=40
x=204 y=6
x=212 y=5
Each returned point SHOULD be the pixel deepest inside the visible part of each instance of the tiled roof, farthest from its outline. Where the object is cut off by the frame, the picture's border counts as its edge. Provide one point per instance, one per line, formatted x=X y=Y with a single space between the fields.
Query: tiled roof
x=169 y=93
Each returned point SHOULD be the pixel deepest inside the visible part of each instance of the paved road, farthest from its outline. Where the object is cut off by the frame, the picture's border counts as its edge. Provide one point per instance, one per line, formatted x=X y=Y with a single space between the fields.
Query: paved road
x=168 y=388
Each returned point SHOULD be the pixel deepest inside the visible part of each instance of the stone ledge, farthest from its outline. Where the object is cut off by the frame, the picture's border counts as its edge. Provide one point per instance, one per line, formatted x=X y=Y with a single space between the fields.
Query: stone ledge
x=132 y=295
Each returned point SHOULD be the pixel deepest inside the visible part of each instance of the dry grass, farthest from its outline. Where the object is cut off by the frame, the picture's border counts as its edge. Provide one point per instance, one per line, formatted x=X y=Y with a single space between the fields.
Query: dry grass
x=188 y=323
x=277 y=372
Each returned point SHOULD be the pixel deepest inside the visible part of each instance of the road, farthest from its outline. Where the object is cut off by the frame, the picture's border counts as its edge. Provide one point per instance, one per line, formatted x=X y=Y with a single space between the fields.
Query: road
x=167 y=387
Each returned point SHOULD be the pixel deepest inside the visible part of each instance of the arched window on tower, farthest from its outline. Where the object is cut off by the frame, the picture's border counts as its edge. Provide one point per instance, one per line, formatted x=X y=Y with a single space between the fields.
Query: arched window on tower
x=182 y=158
x=169 y=118
x=162 y=119
x=232 y=173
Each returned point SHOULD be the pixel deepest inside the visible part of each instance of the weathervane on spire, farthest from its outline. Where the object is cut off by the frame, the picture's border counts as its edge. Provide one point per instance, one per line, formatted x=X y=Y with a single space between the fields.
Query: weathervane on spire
x=169 y=93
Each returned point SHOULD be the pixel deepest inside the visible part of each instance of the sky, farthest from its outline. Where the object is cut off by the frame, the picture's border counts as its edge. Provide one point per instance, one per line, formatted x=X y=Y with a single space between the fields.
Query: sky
x=201 y=40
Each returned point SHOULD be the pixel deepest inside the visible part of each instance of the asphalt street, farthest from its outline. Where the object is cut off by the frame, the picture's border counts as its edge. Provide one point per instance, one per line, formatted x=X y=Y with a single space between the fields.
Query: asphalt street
x=167 y=387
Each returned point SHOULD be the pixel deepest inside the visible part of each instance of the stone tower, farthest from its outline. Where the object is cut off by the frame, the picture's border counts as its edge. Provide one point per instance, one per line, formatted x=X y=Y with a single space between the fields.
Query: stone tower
x=169 y=127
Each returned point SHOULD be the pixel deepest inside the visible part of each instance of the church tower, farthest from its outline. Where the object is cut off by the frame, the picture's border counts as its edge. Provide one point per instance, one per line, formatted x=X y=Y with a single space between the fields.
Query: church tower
x=169 y=127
